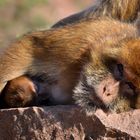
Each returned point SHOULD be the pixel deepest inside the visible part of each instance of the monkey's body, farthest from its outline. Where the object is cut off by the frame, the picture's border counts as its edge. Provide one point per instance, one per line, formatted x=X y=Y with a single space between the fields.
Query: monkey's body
x=62 y=54
x=122 y=10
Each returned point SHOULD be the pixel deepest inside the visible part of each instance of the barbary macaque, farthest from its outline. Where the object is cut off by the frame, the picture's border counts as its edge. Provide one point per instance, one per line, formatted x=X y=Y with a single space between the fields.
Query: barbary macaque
x=87 y=55
x=123 y=10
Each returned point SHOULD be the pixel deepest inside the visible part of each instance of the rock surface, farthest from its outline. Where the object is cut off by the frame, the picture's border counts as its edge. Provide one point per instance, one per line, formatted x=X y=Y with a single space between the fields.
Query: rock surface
x=67 y=123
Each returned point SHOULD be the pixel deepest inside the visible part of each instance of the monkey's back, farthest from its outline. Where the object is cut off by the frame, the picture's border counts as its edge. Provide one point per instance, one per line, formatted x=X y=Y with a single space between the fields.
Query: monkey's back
x=69 y=43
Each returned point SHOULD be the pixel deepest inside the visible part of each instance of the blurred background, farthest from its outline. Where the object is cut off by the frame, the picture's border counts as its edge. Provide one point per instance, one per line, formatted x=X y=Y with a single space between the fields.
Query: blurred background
x=20 y=16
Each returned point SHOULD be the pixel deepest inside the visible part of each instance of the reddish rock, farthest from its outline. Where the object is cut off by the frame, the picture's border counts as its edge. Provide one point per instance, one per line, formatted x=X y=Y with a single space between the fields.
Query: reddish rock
x=128 y=122
x=67 y=123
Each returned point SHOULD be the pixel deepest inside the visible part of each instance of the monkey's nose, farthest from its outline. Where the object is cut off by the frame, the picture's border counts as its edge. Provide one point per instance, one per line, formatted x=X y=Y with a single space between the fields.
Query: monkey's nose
x=111 y=89
x=106 y=91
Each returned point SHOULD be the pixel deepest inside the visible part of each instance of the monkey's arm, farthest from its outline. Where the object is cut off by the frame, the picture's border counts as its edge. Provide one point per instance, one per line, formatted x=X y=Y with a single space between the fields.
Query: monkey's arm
x=15 y=61
x=124 y=10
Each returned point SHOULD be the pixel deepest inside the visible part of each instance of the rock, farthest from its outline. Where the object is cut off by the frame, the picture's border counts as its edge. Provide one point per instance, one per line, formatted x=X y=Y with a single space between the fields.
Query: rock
x=128 y=122
x=67 y=123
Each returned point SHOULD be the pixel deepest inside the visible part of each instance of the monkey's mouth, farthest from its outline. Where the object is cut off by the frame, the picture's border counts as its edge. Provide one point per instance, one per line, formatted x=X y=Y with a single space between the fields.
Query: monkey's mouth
x=89 y=102
x=91 y=99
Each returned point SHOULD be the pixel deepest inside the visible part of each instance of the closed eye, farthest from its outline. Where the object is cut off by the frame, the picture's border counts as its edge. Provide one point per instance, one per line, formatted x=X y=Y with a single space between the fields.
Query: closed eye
x=120 y=69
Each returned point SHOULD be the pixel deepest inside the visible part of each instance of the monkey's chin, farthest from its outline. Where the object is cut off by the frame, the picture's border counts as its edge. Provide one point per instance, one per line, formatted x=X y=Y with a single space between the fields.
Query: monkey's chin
x=119 y=105
x=82 y=96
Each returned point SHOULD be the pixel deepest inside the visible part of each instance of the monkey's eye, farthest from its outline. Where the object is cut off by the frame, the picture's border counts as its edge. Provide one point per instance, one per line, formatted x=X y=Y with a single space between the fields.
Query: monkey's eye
x=119 y=72
x=120 y=69
x=17 y=92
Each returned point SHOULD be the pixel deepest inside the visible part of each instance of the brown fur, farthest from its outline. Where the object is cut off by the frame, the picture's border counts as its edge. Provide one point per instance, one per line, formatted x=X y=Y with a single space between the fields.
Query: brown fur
x=19 y=92
x=29 y=51
x=24 y=91
x=85 y=52
x=123 y=10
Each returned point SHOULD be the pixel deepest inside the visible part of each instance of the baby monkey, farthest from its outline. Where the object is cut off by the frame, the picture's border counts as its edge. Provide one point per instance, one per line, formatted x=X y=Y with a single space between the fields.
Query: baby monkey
x=24 y=91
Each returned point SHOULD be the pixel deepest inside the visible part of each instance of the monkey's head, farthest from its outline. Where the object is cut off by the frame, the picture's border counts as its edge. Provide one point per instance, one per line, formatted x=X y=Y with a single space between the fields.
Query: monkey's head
x=19 y=92
x=103 y=85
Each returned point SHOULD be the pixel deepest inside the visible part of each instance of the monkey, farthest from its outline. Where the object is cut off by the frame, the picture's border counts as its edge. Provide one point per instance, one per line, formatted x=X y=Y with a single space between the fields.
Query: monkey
x=123 y=10
x=24 y=91
x=75 y=53
x=126 y=11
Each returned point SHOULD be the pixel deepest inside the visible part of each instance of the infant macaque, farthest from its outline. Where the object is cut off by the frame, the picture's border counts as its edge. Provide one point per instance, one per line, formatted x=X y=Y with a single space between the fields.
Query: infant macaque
x=23 y=91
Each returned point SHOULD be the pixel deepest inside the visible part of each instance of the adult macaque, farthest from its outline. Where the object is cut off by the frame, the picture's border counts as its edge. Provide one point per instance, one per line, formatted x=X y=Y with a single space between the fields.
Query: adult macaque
x=123 y=10
x=87 y=50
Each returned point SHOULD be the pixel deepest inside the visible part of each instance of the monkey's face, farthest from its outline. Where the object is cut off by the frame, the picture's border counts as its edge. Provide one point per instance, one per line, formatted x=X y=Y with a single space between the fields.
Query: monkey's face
x=19 y=92
x=103 y=85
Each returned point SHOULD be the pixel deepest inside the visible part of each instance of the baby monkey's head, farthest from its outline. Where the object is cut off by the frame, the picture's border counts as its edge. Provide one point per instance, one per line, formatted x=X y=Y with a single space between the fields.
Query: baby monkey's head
x=19 y=92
